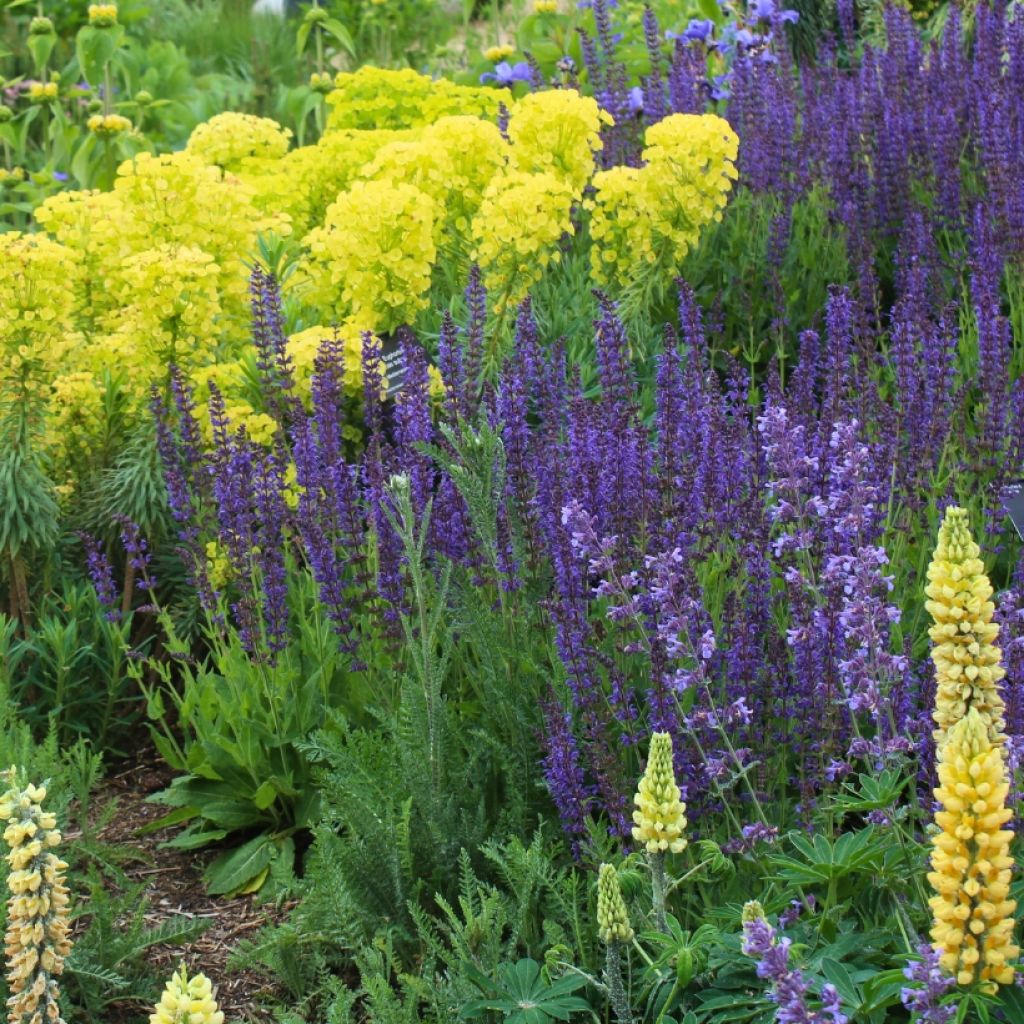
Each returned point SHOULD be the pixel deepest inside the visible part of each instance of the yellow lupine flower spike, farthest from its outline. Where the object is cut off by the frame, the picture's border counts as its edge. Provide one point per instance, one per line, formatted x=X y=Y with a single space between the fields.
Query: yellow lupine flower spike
x=659 y=817
x=967 y=664
x=612 y=917
x=37 y=940
x=971 y=862
x=187 y=1000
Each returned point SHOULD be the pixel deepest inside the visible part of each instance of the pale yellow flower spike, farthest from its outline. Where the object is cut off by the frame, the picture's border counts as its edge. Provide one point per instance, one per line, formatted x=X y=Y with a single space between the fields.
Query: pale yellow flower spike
x=37 y=940
x=187 y=1000
x=971 y=862
x=659 y=817
x=967 y=664
x=612 y=917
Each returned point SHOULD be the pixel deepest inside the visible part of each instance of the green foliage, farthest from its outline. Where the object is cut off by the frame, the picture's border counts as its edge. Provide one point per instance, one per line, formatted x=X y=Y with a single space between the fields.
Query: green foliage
x=522 y=996
x=73 y=670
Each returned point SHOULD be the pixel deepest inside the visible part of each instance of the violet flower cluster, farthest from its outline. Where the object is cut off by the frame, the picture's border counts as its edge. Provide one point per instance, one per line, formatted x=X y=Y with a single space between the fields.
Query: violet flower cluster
x=790 y=989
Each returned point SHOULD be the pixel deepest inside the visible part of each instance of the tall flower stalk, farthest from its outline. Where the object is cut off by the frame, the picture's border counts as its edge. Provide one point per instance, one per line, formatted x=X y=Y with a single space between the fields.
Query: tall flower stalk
x=971 y=861
x=967 y=662
x=37 y=941
x=660 y=818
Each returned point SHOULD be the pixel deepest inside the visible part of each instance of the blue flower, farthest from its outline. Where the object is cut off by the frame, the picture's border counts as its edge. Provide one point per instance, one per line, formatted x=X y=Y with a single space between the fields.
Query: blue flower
x=506 y=74
x=636 y=99
x=699 y=30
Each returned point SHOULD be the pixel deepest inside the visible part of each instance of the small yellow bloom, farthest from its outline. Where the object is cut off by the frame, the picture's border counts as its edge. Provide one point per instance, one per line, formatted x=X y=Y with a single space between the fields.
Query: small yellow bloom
x=612 y=917
x=42 y=92
x=659 y=817
x=498 y=53
x=187 y=1000
x=106 y=126
x=545 y=6
x=971 y=860
x=967 y=662
x=102 y=15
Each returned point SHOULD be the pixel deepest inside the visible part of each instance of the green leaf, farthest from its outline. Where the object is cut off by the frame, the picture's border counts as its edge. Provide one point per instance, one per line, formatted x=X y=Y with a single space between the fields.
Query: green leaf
x=232 y=870
x=81 y=168
x=844 y=984
x=265 y=795
x=195 y=838
x=302 y=37
x=335 y=28
x=41 y=47
x=95 y=47
x=175 y=817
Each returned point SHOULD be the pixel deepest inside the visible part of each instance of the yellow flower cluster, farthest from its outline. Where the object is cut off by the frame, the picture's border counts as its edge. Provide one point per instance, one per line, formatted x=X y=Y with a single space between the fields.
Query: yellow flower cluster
x=967 y=662
x=971 y=861
x=612 y=917
x=655 y=216
x=557 y=131
x=498 y=53
x=42 y=92
x=187 y=1000
x=545 y=6
x=102 y=15
x=39 y=281
x=453 y=161
x=373 y=258
x=660 y=815
x=380 y=98
x=229 y=140
x=37 y=940
x=517 y=229
x=173 y=318
x=107 y=126
x=304 y=347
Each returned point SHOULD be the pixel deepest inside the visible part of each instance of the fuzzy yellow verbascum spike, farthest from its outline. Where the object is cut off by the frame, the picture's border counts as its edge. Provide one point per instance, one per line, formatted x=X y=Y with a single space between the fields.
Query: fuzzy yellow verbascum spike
x=659 y=817
x=612 y=917
x=187 y=1000
x=967 y=664
x=971 y=861
x=37 y=940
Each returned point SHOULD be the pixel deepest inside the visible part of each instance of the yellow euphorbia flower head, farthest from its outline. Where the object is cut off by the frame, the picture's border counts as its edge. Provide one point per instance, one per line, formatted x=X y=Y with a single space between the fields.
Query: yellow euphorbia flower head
x=612 y=918
x=971 y=861
x=187 y=1001
x=37 y=940
x=967 y=664
x=659 y=817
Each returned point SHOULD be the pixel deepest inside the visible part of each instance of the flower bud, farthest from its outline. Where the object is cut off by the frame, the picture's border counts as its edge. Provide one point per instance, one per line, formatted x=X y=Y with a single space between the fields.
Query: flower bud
x=612 y=918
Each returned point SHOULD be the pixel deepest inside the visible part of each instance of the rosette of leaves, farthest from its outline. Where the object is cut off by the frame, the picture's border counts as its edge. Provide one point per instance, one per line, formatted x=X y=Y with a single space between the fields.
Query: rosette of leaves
x=524 y=995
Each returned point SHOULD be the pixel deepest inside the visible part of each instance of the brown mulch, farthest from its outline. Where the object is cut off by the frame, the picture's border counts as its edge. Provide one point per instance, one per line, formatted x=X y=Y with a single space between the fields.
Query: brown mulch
x=174 y=888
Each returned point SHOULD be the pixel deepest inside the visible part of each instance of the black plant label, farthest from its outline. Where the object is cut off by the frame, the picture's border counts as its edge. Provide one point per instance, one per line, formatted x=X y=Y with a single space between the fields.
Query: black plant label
x=394 y=363
x=1013 y=502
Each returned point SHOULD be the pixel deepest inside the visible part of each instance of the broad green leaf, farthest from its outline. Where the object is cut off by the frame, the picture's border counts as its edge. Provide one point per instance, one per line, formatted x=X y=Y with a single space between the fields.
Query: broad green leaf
x=232 y=870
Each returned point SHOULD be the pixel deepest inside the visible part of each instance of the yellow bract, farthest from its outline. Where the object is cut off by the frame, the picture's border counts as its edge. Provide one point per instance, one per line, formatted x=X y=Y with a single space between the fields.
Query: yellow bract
x=373 y=257
x=653 y=216
x=557 y=131
x=971 y=862
x=380 y=98
x=517 y=229
x=229 y=139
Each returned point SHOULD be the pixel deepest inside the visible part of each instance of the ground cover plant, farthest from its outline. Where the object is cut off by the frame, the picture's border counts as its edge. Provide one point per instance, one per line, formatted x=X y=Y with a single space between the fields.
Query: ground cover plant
x=553 y=521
